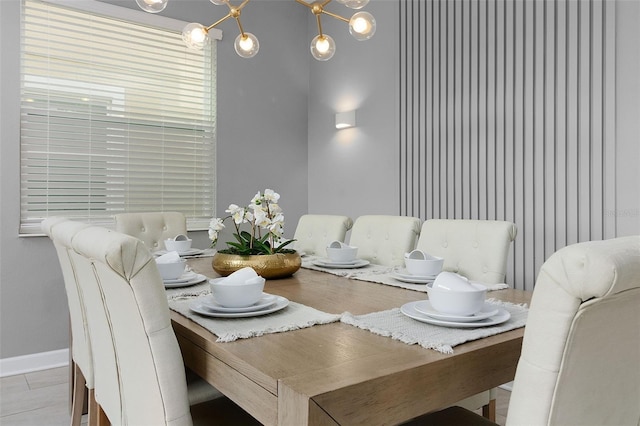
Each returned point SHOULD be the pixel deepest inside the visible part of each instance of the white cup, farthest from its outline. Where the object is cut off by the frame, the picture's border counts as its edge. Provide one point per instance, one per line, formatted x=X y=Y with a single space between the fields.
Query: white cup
x=423 y=264
x=180 y=245
x=453 y=294
x=340 y=252
x=241 y=289
x=172 y=270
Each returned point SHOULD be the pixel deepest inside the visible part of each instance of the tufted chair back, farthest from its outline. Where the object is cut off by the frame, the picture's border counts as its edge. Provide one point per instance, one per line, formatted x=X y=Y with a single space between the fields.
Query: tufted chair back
x=315 y=231
x=477 y=249
x=61 y=231
x=152 y=228
x=139 y=371
x=384 y=240
x=581 y=349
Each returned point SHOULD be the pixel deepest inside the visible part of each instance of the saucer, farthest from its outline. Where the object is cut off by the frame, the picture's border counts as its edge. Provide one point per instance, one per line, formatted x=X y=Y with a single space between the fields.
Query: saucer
x=359 y=263
x=190 y=252
x=195 y=279
x=424 y=307
x=197 y=307
x=340 y=262
x=186 y=276
x=409 y=310
x=409 y=278
x=266 y=300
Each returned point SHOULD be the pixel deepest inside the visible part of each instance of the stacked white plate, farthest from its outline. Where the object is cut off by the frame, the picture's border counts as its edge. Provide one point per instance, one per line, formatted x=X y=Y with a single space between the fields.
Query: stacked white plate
x=267 y=304
x=328 y=263
x=423 y=311
x=187 y=279
x=190 y=252
x=404 y=276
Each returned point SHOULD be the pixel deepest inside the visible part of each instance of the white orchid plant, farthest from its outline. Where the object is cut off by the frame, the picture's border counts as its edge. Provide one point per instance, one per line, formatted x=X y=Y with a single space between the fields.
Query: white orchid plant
x=266 y=222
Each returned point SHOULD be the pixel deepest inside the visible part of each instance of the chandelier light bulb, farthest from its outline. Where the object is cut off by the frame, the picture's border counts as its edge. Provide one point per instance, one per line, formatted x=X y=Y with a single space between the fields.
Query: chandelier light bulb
x=195 y=36
x=362 y=26
x=323 y=47
x=247 y=45
x=152 y=6
x=354 y=4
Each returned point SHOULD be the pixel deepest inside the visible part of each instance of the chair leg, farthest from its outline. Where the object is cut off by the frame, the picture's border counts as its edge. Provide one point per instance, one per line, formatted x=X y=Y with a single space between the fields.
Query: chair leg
x=77 y=395
x=489 y=410
x=97 y=417
x=102 y=419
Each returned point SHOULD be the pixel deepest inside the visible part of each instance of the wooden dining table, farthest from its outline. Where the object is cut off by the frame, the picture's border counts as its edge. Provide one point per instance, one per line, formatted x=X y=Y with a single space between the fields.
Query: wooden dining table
x=338 y=374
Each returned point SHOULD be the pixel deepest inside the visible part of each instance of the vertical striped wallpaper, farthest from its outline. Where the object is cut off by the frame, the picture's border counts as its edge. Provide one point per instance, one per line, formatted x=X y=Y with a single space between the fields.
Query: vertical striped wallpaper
x=507 y=113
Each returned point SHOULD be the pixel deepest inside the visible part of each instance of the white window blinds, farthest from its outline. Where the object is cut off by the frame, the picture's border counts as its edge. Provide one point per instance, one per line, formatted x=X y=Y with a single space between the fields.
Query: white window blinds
x=115 y=117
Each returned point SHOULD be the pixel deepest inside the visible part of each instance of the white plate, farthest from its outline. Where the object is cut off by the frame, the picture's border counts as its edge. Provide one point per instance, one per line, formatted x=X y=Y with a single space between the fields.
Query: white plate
x=265 y=300
x=406 y=275
x=187 y=276
x=339 y=262
x=197 y=307
x=409 y=310
x=412 y=278
x=190 y=252
x=198 y=278
x=424 y=307
x=328 y=264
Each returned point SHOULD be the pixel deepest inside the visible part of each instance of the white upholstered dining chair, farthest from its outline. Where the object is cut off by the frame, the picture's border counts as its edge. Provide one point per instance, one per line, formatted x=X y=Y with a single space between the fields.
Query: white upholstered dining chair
x=61 y=232
x=477 y=249
x=139 y=375
x=384 y=239
x=152 y=228
x=315 y=231
x=581 y=349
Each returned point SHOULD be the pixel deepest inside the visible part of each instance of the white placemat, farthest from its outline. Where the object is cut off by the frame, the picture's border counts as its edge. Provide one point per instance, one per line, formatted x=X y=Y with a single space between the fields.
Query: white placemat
x=378 y=274
x=192 y=291
x=293 y=317
x=392 y=323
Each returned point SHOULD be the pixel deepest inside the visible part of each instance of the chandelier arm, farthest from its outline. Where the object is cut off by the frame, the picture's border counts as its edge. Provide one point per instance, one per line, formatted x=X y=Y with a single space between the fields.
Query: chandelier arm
x=319 y=25
x=243 y=4
x=240 y=26
x=302 y=2
x=218 y=22
x=333 y=15
x=326 y=2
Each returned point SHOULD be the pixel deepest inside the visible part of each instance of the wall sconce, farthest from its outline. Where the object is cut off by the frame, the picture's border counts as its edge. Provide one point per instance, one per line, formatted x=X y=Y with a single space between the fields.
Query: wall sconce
x=346 y=119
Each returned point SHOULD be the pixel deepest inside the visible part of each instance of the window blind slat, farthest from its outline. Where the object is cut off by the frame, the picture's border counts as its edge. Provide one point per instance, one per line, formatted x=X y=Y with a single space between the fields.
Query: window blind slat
x=116 y=117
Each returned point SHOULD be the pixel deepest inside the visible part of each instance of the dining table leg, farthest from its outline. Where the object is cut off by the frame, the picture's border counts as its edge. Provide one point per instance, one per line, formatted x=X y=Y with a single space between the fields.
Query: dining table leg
x=297 y=409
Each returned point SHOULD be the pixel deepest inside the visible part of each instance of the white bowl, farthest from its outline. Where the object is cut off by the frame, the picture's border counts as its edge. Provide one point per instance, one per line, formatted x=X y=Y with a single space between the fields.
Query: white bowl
x=454 y=302
x=427 y=266
x=177 y=245
x=452 y=281
x=172 y=270
x=342 y=254
x=235 y=294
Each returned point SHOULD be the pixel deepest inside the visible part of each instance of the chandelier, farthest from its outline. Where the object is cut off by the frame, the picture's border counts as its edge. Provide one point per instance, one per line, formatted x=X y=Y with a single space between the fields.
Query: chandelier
x=362 y=26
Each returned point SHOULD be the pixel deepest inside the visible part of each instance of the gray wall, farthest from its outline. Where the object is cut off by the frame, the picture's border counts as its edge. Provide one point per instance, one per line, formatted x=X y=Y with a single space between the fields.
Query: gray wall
x=313 y=166
x=262 y=143
x=627 y=197
x=355 y=171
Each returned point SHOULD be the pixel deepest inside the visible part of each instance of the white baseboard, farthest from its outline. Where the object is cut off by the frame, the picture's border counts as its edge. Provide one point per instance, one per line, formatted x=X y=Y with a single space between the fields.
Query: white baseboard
x=33 y=362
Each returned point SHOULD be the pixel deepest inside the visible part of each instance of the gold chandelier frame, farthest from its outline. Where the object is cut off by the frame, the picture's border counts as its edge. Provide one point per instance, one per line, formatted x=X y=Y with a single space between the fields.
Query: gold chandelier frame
x=362 y=26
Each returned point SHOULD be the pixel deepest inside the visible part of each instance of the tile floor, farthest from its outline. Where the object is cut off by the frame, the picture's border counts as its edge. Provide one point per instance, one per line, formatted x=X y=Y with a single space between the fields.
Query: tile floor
x=42 y=399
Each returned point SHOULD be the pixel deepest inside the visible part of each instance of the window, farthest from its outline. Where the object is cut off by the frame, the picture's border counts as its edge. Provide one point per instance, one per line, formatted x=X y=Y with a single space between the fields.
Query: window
x=116 y=116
